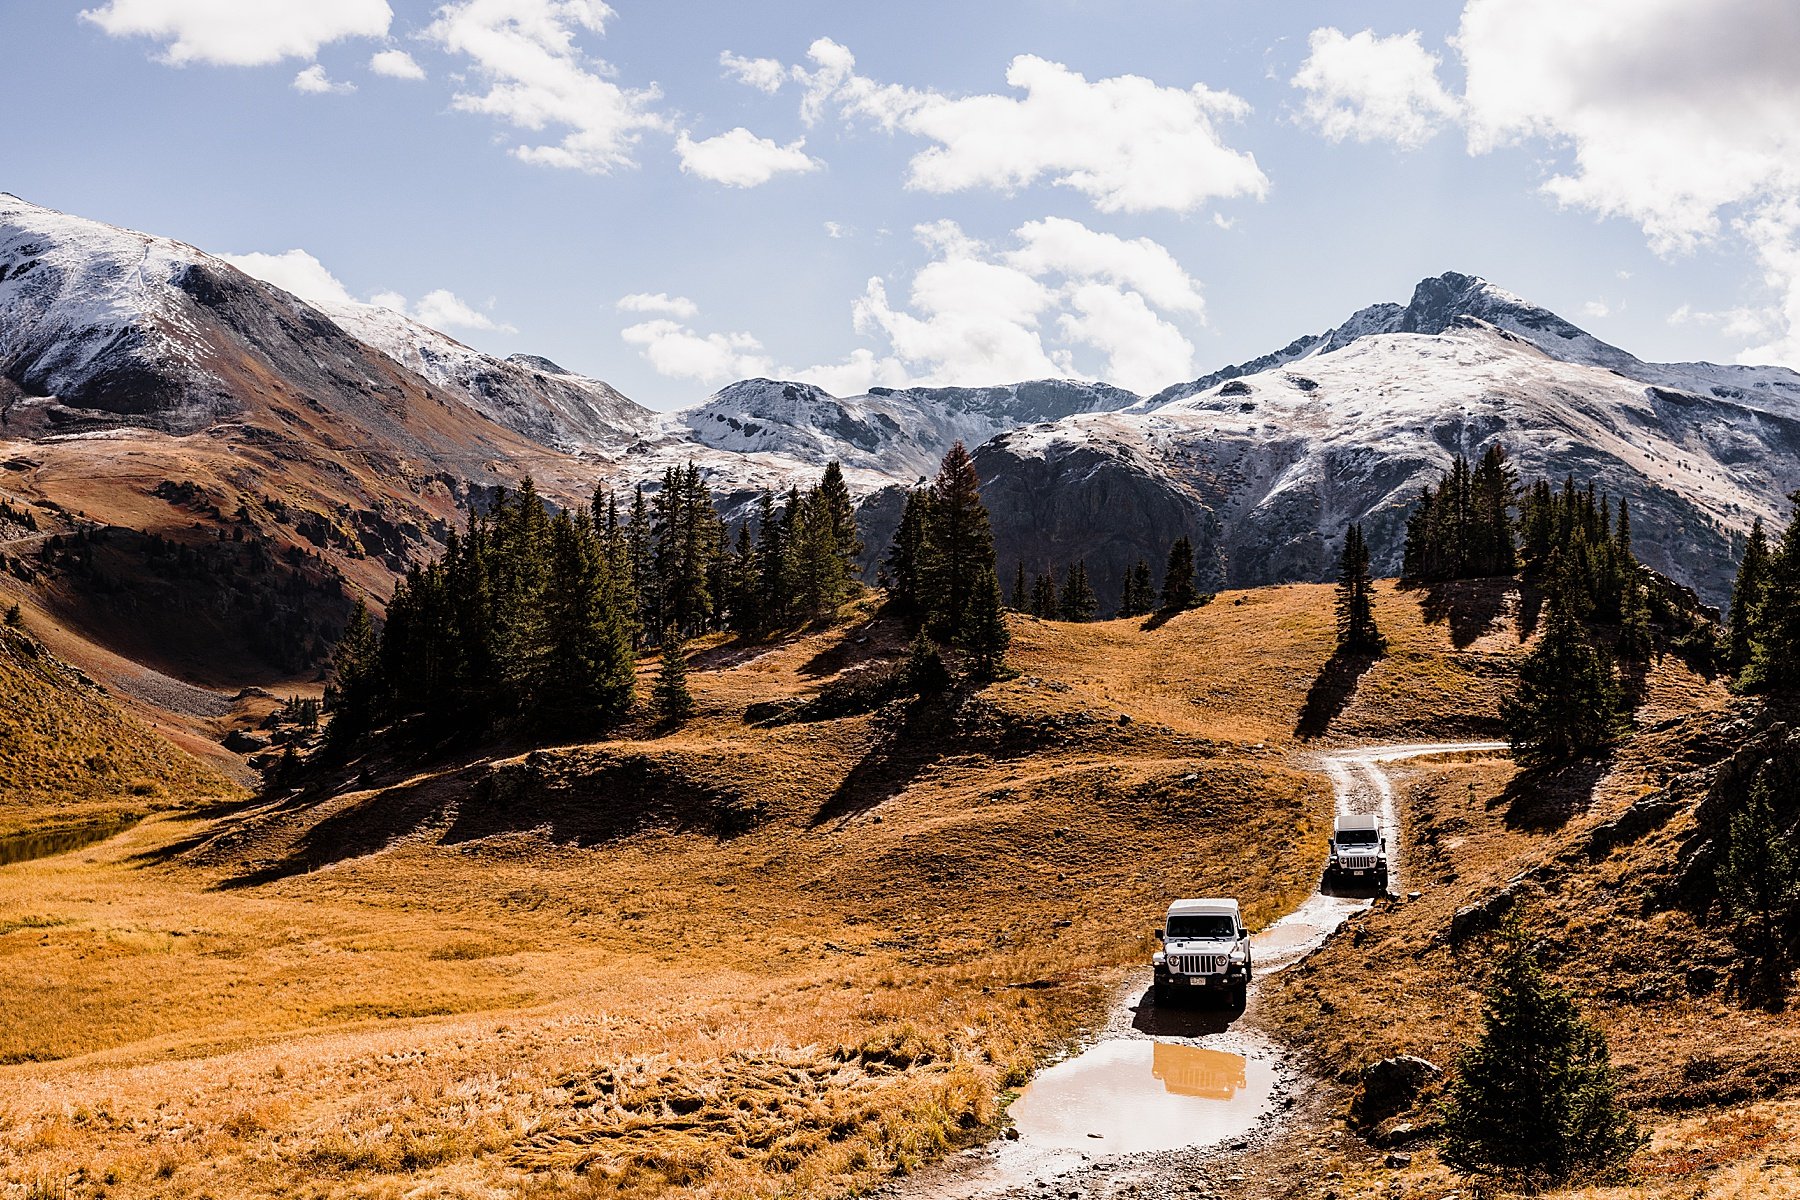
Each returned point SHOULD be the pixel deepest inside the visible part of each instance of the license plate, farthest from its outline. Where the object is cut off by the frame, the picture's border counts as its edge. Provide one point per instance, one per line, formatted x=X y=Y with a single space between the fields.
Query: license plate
x=1360 y=871
x=1198 y=980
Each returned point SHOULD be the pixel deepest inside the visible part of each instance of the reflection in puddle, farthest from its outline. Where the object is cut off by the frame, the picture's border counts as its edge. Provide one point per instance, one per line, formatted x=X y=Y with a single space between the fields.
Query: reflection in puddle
x=27 y=846
x=1132 y=1095
x=1197 y=1071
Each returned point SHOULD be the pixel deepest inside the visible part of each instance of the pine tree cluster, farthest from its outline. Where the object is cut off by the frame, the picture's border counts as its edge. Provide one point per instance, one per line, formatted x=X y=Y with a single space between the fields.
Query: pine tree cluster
x=1074 y=599
x=1576 y=546
x=1763 y=634
x=1462 y=529
x=539 y=616
x=940 y=570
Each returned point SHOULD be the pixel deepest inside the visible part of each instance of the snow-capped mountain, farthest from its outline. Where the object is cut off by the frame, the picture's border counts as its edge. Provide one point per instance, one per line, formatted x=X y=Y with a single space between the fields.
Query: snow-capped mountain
x=897 y=433
x=383 y=427
x=525 y=393
x=1265 y=464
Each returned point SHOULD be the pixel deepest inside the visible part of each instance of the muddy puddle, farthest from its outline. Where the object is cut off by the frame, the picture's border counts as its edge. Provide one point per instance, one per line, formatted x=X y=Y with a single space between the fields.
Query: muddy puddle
x=1131 y=1096
x=44 y=843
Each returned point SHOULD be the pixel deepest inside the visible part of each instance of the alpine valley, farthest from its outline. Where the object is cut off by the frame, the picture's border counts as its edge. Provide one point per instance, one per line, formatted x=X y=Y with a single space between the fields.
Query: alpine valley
x=156 y=390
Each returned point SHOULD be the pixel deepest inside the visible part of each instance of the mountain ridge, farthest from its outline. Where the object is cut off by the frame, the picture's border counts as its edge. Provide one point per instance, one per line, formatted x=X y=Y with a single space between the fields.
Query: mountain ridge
x=383 y=429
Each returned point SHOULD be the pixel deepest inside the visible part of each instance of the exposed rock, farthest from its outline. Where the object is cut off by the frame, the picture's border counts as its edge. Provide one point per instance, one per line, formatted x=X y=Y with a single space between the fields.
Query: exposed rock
x=1389 y=1087
x=242 y=741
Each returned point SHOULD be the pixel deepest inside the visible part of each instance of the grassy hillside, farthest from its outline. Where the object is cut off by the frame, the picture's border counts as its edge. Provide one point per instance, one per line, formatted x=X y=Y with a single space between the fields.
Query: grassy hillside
x=69 y=756
x=766 y=954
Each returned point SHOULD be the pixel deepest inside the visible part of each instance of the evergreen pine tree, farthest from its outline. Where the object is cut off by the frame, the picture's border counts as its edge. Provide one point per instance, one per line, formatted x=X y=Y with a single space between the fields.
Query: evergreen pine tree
x=903 y=569
x=584 y=671
x=1493 y=488
x=674 y=703
x=1635 y=642
x=746 y=592
x=1357 y=632
x=1043 y=596
x=640 y=575
x=959 y=543
x=1534 y=1100
x=841 y=512
x=821 y=576
x=1139 y=596
x=15 y=617
x=1760 y=881
x=1775 y=643
x=356 y=682
x=771 y=563
x=985 y=635
x=1747 y=597
x=1566 y=704
x=1078 y=602
x=1178 y=591
x=1020 y=601
x=1417 y=560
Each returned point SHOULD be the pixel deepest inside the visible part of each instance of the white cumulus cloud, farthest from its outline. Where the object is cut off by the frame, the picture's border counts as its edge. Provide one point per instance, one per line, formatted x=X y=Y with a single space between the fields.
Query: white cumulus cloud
x=1126 y=143
x=443 y=309
x=313 y=81
x=763 y=74
x=741 y=159
x=297 y=272
x=679 y=352
x=396 y=64
x=1682 y=118
x=539 y=79
x=301 y=274
x=1368 y=88
x=240 y=34
x=659 y=302
x=1061 y=301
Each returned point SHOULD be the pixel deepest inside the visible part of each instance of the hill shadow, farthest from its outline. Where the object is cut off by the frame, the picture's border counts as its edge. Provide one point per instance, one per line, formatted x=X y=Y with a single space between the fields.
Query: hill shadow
x=1543 y=799
x=1469 y=606
x=1331 y=692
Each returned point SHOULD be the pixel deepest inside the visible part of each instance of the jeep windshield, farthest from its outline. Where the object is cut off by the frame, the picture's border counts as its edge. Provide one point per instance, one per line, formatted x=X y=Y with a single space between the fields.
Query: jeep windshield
x=1356 y=837
x=1207 y=926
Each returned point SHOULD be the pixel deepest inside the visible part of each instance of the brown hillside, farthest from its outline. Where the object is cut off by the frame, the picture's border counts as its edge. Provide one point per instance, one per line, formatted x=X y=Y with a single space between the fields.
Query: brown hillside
x=69 y=756
x=767 y=954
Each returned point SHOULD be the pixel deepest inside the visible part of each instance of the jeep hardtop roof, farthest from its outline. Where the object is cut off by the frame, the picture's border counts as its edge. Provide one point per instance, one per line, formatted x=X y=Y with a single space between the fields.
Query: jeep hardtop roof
x=1357 y=821
x=1204 y=907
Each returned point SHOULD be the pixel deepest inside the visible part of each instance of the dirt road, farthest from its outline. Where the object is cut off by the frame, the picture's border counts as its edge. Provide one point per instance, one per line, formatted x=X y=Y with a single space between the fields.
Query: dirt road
x=1165 y=1102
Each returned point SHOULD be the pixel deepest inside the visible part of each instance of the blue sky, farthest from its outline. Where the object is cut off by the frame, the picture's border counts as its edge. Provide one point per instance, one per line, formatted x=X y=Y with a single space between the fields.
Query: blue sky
x=1138 y=191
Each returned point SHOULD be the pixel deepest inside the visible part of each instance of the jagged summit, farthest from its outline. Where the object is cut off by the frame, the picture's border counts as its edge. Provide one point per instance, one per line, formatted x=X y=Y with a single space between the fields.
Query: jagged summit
x=1438 y=304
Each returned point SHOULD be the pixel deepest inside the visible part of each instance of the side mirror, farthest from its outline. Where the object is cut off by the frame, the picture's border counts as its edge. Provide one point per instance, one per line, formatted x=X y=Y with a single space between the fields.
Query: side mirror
x=1159 y=933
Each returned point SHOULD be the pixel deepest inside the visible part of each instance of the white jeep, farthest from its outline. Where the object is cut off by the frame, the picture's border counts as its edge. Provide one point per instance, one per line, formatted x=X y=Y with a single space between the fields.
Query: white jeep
x=1206 y=950
x=1359 y=849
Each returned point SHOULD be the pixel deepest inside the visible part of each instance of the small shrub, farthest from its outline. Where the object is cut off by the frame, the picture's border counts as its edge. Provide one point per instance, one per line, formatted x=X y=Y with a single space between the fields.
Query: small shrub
x=926 y=673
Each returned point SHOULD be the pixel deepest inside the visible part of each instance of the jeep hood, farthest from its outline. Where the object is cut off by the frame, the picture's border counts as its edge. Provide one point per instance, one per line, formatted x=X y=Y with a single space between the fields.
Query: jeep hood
x=1200 y=946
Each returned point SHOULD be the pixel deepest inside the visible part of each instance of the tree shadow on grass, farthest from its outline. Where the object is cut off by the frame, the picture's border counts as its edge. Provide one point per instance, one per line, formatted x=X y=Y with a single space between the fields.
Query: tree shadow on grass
x=1543 y=799
x=906 y=750
x=1331 y=691
x=1163 y=616
x=1469 y=606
